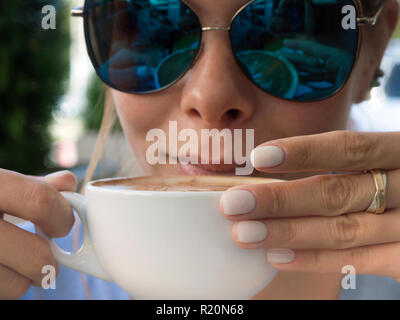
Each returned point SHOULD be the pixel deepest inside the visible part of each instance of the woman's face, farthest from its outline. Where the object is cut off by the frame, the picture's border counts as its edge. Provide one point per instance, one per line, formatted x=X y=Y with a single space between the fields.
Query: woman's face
x=215 y=94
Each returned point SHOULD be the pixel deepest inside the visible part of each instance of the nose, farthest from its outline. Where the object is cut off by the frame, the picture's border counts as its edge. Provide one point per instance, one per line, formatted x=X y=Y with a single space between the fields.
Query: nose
x=216 y=92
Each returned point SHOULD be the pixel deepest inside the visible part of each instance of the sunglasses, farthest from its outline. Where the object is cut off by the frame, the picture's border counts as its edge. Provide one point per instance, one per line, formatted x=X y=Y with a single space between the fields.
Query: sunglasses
x=292 y=49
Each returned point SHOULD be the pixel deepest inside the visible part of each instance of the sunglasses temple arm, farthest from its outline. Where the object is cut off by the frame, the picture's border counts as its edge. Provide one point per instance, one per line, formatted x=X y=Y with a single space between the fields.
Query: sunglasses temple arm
x=77 y=12
x=370 y=21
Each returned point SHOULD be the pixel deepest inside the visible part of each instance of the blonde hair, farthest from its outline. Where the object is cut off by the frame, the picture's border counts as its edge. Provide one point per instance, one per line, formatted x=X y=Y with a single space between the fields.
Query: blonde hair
x=107 y=123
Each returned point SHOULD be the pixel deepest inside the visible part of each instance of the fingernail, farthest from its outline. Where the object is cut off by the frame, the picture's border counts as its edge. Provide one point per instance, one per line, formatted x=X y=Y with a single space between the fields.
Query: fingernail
x=238 y=202
x=251 y=231
x=280 y=255
x=268 y=156
x=57 y=174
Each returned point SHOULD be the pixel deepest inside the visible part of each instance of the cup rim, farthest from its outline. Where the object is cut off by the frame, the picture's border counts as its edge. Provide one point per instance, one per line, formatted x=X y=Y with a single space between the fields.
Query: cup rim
x=215 y=180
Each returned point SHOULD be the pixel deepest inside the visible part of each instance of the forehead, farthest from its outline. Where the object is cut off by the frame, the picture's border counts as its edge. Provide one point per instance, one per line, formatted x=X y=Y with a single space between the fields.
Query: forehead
x=234 y=5
x=221 y=11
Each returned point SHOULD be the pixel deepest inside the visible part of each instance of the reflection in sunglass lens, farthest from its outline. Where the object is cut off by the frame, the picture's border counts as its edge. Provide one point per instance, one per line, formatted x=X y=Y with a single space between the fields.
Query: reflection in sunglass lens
x=140 y=46
x=296 y=50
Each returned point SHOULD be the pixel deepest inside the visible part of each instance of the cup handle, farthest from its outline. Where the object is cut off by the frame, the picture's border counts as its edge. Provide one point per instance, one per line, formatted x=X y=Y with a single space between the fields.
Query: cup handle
x=85 y=259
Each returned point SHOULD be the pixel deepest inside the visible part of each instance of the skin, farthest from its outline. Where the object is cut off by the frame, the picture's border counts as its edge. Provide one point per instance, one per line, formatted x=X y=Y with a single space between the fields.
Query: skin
x=215 y=94
x=205 y=98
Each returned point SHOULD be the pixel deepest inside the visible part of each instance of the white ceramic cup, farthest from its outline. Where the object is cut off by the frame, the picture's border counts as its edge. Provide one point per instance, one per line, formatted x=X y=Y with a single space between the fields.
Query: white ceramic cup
x=164 y=244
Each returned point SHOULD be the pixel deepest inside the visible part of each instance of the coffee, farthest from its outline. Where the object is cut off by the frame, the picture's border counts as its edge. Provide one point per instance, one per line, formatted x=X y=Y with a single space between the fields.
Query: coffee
x=179 y=183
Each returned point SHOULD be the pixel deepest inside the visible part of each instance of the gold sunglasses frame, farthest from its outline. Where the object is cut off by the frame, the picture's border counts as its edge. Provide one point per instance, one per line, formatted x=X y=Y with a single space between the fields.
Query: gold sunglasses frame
x=363 y=21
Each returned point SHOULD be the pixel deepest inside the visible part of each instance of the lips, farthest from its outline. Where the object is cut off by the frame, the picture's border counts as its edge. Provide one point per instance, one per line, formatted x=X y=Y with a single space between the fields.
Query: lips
x=208 y=169
x=204 y=169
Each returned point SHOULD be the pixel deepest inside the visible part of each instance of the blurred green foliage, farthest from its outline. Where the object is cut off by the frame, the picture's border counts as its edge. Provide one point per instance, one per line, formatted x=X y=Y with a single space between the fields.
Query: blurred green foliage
x=92 y=113
x=397 y=31
x=34 y=67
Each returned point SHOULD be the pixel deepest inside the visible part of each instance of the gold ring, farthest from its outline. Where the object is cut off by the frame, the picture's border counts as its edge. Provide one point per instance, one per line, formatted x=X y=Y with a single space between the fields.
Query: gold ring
x=378 y=204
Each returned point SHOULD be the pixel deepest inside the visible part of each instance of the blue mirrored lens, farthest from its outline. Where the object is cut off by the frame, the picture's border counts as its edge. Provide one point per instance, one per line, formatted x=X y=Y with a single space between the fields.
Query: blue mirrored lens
x=140 y=46
x=300 y=50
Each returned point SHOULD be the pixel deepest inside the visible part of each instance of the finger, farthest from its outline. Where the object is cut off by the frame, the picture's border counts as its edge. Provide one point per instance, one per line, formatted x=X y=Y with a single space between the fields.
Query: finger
x=34 y=200
x=12 y=284
x=124 y=77
x=381 y=259
x=321 y=195
x=309 y=47
x=342 y=232
x=24 y=252
x=61 y=180
x=303 y=59
x=314 y=76
x=330 y=151
x=122 y=58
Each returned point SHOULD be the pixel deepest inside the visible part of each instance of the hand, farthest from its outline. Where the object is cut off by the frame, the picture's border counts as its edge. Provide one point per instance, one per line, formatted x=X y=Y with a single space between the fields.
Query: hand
x=319 y=224
x=316 y=61
x=126 y=67
x=23 y=254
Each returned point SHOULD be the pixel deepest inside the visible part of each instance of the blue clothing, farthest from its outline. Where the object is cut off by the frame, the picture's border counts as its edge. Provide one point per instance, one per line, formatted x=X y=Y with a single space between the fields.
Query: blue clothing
x=370 y=287
x=70 y=287
x=68 y=283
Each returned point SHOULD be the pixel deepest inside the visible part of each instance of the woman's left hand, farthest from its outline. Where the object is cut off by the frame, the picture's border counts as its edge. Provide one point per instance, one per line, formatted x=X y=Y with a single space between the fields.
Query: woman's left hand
x=319 y=224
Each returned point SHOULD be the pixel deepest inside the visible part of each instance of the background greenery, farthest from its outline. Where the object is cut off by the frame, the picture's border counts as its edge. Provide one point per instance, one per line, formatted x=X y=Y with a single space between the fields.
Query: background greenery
x=397 y=32
x=34 y=66
x=92 y=113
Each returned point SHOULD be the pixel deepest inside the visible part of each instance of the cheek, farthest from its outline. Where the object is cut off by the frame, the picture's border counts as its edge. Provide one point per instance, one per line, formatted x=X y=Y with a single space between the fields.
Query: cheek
x=331 y=114
x=140 y=113
x=137 y=115
x=288 y=119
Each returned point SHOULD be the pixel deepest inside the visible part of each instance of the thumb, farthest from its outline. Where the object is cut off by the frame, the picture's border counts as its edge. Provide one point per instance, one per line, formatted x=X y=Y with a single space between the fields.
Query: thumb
x=62 y=180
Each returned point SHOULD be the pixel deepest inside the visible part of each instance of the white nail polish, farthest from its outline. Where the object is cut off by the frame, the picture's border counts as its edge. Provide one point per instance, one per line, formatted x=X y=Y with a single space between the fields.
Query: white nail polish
x=266 y=157
x=57 y=174
x=251 y=231
x=280 y=255
x=238 y=202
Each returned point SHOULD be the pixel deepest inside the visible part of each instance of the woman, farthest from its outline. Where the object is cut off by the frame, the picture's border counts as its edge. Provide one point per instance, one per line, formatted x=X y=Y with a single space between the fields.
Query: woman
x=312 y=225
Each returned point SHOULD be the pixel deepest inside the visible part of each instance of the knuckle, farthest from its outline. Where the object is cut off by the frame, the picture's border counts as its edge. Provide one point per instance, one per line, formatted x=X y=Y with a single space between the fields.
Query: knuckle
x=15 y=287
x=303 y=156
x=316 y=258
x=287 y=231
x=335 y=193
x=359 y=258
x=357 y=148
x=277 y=199
x=19 y=288
x=41 y=255
x=41 y=198
x=344 y=231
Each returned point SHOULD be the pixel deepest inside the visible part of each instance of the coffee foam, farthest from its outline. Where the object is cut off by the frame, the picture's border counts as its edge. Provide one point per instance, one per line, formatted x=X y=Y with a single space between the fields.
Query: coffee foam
x=180 y=183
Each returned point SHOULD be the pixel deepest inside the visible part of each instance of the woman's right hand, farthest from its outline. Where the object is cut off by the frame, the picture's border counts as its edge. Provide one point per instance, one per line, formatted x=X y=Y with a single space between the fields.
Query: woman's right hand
x=23 y=254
